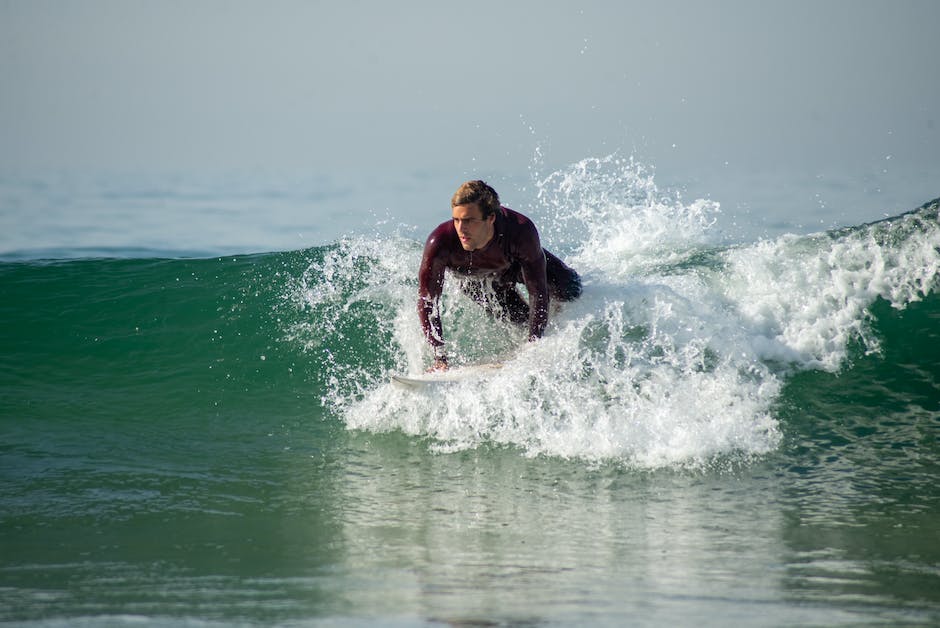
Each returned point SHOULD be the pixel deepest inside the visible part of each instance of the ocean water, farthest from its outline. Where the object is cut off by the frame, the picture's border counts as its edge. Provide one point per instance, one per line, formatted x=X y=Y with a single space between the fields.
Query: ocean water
x=737 y=424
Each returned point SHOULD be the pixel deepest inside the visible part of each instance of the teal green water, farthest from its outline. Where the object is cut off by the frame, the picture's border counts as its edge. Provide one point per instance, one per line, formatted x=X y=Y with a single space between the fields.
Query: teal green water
x=175 y=448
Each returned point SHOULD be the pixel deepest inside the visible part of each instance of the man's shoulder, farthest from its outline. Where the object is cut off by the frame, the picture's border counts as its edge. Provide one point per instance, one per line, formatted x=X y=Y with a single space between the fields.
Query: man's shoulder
x=517 y=225
x=443 y=236
x=516 y=221
x=519 y=234
x=514 y=216
x=443 y=229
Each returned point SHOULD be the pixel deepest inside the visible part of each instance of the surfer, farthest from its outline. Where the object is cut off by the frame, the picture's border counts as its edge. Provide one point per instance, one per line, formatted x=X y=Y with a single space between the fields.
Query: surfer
x=492 y=248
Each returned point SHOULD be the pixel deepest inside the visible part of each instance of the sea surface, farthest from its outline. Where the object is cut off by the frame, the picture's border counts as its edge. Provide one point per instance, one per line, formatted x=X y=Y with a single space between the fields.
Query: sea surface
x=736 y=425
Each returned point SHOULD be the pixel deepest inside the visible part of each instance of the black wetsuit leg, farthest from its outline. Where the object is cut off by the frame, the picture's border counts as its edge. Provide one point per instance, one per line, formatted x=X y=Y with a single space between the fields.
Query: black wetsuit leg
x=511 y=303
x=498 y=297
x=564 y=283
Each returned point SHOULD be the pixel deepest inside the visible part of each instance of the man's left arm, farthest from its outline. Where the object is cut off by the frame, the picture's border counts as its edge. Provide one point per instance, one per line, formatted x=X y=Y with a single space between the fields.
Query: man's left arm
x=532 y=259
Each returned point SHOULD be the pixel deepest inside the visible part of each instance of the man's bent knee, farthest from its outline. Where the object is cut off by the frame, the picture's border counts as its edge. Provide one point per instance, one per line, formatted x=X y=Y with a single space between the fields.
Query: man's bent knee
x=570 y=288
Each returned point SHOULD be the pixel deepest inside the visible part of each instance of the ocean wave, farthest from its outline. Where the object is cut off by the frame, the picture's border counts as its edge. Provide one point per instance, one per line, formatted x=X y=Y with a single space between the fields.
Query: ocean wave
x=681 y=351
x=675 y=355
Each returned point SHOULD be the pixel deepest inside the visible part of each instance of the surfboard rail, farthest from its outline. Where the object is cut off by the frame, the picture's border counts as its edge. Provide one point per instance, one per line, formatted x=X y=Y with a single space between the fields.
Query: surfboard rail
x=448 y=376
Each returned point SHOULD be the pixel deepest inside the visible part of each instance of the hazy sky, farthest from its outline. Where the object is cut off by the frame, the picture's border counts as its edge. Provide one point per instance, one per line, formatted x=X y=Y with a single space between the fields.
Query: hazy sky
x=419 y=86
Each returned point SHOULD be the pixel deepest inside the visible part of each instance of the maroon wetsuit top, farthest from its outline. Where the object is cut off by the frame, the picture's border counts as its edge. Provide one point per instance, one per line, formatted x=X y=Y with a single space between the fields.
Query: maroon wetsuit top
x=514 y=254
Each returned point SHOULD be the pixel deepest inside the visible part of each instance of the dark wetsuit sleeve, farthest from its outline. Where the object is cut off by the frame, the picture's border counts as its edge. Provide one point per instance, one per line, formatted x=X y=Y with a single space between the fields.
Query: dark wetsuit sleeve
x=430 y=286
x=532 y=259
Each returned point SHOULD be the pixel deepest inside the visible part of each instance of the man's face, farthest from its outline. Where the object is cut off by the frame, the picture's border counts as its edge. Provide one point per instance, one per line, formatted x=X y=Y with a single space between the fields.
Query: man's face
x=474 y=232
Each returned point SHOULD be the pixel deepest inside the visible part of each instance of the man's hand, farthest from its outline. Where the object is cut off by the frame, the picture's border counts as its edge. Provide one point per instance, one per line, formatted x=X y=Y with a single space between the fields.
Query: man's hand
x=440 y=364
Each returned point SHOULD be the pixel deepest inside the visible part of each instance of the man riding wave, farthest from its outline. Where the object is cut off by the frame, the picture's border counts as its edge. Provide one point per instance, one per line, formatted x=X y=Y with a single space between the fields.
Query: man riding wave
x=501 y=248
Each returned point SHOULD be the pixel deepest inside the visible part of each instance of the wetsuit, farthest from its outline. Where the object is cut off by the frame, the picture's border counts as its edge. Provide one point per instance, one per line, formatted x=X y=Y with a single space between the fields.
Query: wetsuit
x=514 y=255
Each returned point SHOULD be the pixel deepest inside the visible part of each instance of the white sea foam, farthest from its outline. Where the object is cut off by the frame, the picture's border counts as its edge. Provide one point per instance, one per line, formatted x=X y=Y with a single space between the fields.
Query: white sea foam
x=804 y=300
x=674 y=355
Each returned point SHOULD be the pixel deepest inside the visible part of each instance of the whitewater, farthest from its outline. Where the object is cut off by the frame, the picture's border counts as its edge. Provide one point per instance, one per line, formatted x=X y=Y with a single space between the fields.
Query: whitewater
x=675 y=354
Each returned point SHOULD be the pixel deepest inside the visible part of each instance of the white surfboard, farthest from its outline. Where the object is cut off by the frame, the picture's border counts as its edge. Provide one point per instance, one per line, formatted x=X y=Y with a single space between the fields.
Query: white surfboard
x=449 y=376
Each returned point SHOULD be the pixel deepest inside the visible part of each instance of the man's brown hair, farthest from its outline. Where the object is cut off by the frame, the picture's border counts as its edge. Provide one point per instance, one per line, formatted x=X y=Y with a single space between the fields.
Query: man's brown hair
x=477 y=192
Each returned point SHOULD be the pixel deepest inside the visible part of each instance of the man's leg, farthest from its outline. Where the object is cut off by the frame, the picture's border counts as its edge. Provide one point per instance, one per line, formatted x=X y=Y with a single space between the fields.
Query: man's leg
x=564 y=283
x=511 y=303
x=497 y=298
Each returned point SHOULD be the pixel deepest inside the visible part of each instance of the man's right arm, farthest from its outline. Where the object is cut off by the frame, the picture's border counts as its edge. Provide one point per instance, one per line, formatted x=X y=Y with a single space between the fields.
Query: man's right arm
x=430 y=287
